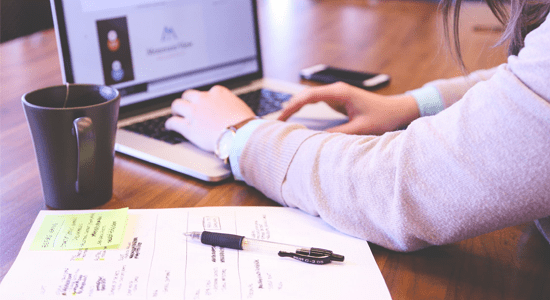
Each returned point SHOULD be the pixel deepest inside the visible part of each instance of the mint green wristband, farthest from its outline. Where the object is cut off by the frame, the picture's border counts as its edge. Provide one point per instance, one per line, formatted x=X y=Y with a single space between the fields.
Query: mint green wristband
x=428 y=100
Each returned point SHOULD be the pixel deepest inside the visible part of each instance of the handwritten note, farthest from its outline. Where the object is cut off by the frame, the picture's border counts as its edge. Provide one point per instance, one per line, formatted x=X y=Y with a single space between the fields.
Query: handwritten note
x=78 y=231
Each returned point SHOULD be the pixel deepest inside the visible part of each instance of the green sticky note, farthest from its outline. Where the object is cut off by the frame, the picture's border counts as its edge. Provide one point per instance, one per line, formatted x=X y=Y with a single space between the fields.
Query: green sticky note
x=78 y=231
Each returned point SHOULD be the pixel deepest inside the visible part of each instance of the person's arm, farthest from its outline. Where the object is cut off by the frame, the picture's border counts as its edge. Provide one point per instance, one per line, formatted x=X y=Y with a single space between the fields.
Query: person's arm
x=480 y=165
x=370 y=113
x=437 y=95
x=362 y=185
x=428 y=100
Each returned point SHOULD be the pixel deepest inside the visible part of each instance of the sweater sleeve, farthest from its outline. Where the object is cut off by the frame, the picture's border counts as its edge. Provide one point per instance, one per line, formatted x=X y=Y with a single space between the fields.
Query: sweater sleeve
x=478 y=166
x=437 y=95
x=453 y=89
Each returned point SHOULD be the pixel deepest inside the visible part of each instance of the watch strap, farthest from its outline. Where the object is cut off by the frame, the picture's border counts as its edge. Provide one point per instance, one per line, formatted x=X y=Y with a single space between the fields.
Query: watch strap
x=232 y=128
x=241 y=124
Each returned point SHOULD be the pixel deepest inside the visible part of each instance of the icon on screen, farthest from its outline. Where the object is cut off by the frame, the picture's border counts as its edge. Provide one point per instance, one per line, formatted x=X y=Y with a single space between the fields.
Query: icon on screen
x=117 y=73
x=114 y=46
x=168 y=34
x=113 y=43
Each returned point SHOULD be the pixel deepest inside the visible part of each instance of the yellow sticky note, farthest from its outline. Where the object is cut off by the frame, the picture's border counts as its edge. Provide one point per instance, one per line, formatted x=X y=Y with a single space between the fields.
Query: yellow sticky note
x=78 y=231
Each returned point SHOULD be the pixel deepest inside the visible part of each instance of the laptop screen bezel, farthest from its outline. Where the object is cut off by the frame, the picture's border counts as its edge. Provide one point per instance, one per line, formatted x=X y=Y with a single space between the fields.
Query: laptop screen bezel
x=157 y=102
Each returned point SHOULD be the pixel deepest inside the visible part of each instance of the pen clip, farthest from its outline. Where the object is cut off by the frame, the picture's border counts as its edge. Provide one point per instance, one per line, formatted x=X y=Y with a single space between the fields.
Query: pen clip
x=314 y=256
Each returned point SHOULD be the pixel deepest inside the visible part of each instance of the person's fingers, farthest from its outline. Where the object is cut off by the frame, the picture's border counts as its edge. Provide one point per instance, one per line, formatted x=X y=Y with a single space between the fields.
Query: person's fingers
x=191 y=95
x=218 y=89
x=181 y=107
x=189 y=130
x=296 y=103
x=178 y=124
x=334 y=95
x=290 y=109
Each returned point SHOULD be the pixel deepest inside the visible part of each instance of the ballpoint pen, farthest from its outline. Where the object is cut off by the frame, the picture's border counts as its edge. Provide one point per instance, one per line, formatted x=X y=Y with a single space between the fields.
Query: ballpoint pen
x=316 y=256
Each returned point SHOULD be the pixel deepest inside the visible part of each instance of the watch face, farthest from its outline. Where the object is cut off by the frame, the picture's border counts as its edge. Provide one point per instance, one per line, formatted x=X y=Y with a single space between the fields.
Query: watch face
x=224 y=144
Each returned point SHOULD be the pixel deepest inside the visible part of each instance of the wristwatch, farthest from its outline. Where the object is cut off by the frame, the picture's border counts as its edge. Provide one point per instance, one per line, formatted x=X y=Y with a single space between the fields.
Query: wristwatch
x=225 y=141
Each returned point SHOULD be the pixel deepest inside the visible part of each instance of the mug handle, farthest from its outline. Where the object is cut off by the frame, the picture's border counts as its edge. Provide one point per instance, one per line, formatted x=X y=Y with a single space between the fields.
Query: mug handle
x=85 y=145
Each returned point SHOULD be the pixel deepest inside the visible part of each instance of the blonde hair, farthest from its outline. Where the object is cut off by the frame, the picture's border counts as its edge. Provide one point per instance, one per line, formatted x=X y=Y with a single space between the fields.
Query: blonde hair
x=519 y=17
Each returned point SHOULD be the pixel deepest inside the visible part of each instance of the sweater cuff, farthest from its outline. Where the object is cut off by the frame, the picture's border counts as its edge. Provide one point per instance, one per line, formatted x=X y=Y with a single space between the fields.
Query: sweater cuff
x=267 y=156
x=241 y=137
x=428 y=99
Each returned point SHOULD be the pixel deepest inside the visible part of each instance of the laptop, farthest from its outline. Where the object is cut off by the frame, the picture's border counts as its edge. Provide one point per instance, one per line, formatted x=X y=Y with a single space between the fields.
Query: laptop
x=153 y=50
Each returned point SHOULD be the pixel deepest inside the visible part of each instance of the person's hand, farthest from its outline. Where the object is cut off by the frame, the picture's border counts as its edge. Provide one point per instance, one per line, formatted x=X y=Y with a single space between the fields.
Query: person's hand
x=202 y=116
x=368 y=113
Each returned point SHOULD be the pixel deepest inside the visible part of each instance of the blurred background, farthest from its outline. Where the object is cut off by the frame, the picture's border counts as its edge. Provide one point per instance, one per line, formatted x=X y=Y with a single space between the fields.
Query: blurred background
x=23 y=17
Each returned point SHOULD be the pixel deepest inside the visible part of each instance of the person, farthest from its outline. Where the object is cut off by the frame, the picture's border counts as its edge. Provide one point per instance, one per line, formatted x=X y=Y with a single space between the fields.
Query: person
x=474 y=156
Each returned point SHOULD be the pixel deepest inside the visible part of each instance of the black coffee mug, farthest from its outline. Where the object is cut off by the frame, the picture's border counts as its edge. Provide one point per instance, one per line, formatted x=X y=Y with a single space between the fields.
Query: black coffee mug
x=73 y=128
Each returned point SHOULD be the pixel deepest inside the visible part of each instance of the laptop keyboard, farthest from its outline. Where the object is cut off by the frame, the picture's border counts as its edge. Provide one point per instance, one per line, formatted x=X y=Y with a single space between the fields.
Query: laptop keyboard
x=155 y=128
x=262 y=102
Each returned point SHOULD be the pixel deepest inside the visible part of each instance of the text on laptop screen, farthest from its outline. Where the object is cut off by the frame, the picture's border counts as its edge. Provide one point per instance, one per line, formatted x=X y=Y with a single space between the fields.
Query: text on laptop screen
x=151 y=48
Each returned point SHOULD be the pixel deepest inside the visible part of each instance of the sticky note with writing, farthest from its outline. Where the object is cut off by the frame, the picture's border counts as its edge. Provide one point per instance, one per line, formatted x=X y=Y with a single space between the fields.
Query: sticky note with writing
x=77 y=231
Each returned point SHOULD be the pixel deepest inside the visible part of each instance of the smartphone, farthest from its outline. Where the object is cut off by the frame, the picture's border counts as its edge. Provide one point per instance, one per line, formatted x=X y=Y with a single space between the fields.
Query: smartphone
x=327 y=74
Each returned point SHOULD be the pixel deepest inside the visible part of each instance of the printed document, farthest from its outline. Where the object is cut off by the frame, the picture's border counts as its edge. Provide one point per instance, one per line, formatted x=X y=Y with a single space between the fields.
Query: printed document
x=155 y=260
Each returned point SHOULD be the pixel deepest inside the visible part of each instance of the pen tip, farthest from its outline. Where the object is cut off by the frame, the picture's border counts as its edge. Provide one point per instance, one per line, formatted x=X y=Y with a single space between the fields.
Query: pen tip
x=192 y=234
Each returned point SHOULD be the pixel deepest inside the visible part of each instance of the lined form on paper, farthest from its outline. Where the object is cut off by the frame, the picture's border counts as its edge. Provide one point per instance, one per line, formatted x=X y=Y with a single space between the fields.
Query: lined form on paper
x=156 y=261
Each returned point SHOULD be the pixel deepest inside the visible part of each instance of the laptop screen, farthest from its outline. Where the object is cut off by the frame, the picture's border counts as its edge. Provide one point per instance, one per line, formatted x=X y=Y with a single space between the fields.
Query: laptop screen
x=152 y=48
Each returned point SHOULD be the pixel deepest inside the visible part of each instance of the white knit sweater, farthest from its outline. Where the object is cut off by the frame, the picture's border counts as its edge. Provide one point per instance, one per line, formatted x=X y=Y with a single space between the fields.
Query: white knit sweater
x=480 y=165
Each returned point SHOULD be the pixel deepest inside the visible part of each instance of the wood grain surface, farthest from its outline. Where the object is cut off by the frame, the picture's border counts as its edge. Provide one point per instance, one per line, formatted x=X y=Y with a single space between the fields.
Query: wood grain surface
x=400 y=38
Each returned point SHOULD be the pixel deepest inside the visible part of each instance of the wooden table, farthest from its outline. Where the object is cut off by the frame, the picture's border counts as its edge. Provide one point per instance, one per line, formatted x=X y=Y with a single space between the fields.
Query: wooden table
x=403 y=39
